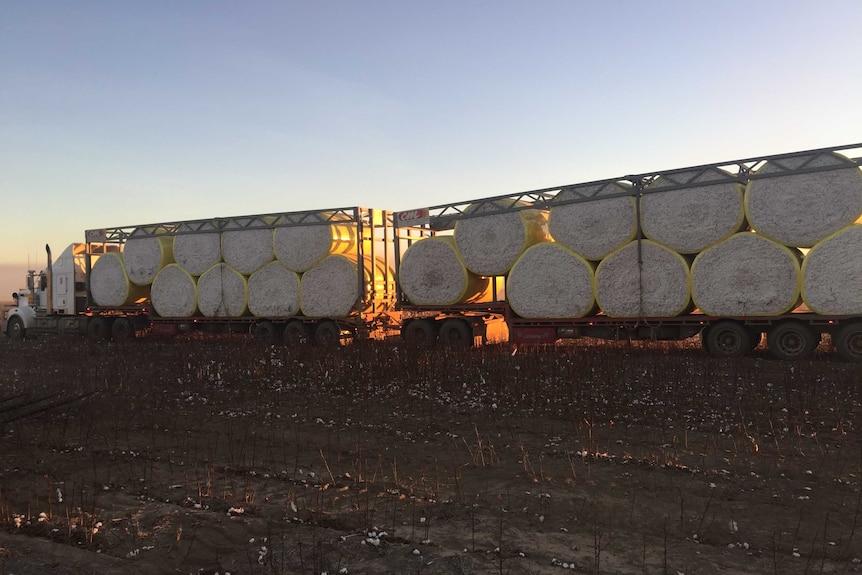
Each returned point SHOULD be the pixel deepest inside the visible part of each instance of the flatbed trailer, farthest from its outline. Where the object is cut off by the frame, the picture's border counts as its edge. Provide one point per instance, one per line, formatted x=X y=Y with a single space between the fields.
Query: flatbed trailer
x=789 y=336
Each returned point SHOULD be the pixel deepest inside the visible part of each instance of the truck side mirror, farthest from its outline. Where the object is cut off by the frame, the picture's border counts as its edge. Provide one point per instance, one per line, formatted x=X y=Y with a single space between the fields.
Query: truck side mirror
x=43 y=282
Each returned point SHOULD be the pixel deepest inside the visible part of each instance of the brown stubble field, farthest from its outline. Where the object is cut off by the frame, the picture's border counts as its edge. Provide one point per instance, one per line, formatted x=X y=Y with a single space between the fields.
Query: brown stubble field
x=229 y=456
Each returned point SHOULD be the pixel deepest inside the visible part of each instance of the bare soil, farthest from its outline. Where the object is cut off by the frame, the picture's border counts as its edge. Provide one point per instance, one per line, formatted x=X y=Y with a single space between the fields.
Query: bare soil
x=228 y=456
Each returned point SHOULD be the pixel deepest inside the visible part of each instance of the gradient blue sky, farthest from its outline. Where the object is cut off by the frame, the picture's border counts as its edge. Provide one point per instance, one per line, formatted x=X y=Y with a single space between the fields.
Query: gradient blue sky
x=116 y=113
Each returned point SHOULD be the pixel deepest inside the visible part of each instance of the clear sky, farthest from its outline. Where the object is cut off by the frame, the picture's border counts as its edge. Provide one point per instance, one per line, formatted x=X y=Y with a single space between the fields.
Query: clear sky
x=116 y=113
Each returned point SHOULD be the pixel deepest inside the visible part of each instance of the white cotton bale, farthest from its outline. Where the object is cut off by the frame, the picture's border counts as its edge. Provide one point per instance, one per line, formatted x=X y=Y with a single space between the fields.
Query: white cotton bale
x=596 y=227
x=173 y=293
x=222 y=292
x=330 y=288
x=691 y=219
x=145 y=256
x=433 y=273
x=489 y=245
x=550 y=280
x=832 y=274
x=247 y=251
x=746 y=274
x=658 y=286
x=800 y=210
x=197 y=252
x=273 y=291
x=109 y=283
x=300 y=247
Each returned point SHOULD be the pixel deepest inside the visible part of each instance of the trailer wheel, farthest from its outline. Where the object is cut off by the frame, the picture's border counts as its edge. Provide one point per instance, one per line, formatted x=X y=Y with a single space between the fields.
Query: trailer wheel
x=848 y=342
x=456 y=334
x=726 y=338
x=97 y=328
x=327 y=334
x=791 y=340
x=266 y=331
x=296 y=333
x=15 y=330
x=420 y=333
x=122 y=329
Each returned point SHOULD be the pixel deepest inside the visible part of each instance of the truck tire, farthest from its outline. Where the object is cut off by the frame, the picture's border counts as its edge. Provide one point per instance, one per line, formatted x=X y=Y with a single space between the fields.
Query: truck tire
x=296 y=333
x=122 y=329
x=420 y=333
x=727 y=338
x=327 y=334
x=15 y=329
x=456 y=334
x=791 y=340
x=97 y=329
x=848 y=342
x=266 y=331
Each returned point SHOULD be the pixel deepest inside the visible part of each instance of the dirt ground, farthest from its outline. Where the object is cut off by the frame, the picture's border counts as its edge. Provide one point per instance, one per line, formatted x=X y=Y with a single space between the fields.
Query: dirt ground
x=227 y=456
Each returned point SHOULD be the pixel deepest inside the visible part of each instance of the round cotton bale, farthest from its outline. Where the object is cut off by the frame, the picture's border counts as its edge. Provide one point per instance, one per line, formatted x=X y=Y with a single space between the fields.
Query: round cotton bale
x=273 y=291
x=173 y=293
x=550 y=280
x=689 y=220
x=433 y=273
x=197 y=252
x=596 y=227
x=300 y=247
x=331 y=288
x=832 y=274
x=802 y=209
x=110 y=284
x=489 y=245
x=746 y=274
x=656 y=287
x=247 y=251
x=222 y=292
x=145 y=256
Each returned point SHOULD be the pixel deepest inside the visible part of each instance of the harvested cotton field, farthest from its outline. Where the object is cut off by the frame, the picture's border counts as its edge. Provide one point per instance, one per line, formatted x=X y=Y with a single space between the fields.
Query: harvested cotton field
x=643 y=279
x=594 y=228
x=746 y=274
x=433 y=273
x=550 y=280
x=832 y=274
x=197 y=252
x=689 y=220
x=331 y=288
x=273 y=291
x=300 y=247
x=174 y=293
x=109 y=283
x=145 y=256
x=800 y=210
x=489 y=245
x=222 y=292
x=247 y=251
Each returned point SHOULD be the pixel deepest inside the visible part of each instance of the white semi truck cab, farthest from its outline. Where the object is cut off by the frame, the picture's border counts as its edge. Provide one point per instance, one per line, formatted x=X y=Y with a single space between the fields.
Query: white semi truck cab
x=54 y=299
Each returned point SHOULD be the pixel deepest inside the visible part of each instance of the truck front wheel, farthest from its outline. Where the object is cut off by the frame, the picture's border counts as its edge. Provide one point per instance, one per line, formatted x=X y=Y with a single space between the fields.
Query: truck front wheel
x=15 y=330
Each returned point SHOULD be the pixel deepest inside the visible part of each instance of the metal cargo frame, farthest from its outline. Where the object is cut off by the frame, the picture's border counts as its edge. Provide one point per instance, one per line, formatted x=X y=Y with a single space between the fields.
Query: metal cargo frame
x=412 y=225
x=374 y=309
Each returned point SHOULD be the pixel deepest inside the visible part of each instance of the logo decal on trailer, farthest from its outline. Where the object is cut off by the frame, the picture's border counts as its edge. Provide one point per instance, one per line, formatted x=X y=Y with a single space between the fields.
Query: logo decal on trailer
x=413 y=217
